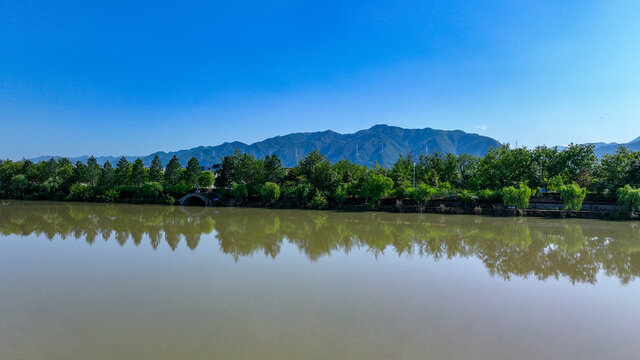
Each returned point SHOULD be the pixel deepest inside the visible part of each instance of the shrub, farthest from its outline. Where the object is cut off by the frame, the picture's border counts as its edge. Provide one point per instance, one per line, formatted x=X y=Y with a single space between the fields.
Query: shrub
x=468 y=197
x=80 y=192
x=488 y=195
x=110 y=196
x=629 y=198
x=149 y=192
x=421 y=193
x=319 y=201
x=516 y=197
x=573 y=196
x=270 y=192
x=239 y=191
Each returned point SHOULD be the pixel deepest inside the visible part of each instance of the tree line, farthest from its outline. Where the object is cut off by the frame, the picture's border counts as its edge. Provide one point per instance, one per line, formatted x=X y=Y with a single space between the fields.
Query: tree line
x=510 y=175
x=60 y=179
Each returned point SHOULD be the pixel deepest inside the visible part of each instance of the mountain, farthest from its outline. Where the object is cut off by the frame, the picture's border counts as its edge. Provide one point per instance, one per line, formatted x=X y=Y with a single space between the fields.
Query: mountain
x=381 y=143
x=610 y=148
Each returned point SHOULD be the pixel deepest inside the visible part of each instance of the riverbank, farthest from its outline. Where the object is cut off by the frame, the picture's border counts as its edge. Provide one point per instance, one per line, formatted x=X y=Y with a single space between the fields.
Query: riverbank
x=547 y=207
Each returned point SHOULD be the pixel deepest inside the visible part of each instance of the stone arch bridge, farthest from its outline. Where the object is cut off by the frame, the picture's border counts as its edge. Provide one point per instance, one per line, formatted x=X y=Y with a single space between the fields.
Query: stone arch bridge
x=199 y=199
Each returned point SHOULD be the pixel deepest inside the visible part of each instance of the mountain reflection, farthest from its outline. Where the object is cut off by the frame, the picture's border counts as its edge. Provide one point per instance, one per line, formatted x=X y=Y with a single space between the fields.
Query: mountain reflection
x=507 y=247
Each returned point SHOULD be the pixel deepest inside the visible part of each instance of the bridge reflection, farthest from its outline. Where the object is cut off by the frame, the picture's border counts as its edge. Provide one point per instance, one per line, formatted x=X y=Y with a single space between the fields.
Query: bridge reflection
x=576 y=249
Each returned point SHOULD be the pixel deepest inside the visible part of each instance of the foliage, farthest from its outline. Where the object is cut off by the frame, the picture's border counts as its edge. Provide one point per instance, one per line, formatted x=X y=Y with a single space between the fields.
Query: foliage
x=156 y=170
x=375 y=187
x=80 y=192
x=270 y=192
x=573 y=196
x=629 y=198
x=340 y=194
x=239 y=191
x=149 y=192
x=138 y=174
x=190 y=175
x=488 y=195
x=301 y=193
x=172 y=172
x=319 y=201
x=110 y=196
x=518 y=197
x=421 y=193
x=206 y=179
x=468 y=197
x=123 y=171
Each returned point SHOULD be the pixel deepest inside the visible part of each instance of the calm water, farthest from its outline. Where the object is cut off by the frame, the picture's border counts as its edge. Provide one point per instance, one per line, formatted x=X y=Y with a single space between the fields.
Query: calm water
x=80 y=281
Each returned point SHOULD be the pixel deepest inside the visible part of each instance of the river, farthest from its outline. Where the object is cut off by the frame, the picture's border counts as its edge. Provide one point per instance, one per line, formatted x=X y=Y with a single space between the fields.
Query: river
x=95 y=281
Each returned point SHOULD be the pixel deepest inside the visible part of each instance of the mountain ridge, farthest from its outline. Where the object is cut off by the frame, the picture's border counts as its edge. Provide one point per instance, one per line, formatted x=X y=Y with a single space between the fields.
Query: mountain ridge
x=380 y=144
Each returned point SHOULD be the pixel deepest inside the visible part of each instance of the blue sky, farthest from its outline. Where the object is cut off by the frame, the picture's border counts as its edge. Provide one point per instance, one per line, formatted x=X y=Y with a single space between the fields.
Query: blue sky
x=112 y=78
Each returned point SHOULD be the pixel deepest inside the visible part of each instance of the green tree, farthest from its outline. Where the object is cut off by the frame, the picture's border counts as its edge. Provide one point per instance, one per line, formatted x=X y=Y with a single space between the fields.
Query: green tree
x=172 y=172
x=138 y=175
x=193 y=170
x=375 y=187
x=92 y=171
x=122 y=172
x=573 y=196
x=270 y=192
x=156 y=170
x=273 y=170
x=107 y=175
x=206 y=179
x=518 y=197
x=19 y=184
x=239 y=191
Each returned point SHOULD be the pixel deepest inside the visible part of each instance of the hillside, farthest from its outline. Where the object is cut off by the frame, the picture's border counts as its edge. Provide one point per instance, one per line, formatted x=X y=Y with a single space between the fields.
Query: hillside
x=380 y=144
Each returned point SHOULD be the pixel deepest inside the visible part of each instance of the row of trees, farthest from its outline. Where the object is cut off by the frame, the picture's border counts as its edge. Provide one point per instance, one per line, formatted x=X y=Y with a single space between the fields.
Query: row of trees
x=128 y=181
x=503 y=173
x=570 y=172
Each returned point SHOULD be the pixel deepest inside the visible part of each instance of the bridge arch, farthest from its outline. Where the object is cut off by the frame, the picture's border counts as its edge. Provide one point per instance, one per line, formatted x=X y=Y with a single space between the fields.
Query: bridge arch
x=194 y=199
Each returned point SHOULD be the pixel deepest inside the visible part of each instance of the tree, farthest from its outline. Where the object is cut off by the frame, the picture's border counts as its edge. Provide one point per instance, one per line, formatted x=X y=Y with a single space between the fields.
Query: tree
x=123 y=171
x=193 y=170
x=573 y=196
x=518 y=197
x=93 y=171
x=205 y=179
x=138 y=175
x=156 y=170
x=273 y=170
x=19 y=184
x=375 y=187
x=172 y=173
x=270 y=192
x=80 y=172
x=318 y=171
x=240 y=168
x=107 y=175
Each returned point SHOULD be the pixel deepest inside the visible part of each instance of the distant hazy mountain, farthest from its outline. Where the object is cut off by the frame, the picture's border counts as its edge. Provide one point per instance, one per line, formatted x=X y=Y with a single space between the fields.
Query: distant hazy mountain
x=381 y=143
x=610 y=148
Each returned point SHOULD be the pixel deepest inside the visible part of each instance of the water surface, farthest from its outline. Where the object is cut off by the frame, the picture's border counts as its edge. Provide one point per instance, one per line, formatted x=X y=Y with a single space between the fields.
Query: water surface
x=85 y=281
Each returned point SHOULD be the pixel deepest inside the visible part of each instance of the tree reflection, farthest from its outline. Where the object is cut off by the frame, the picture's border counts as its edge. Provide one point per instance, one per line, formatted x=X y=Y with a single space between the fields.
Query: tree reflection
x=507 y=247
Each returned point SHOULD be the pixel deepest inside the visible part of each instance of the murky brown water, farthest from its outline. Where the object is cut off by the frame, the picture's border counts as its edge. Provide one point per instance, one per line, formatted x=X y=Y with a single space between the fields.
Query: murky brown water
x=81 y=281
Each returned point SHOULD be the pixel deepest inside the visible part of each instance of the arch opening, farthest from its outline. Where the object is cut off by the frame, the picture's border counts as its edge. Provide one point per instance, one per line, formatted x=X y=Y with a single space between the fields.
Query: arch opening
x=194 y=200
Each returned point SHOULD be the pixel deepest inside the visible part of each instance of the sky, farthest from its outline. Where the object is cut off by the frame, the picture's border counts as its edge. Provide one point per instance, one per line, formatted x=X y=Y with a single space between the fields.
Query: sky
x=123 y=77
